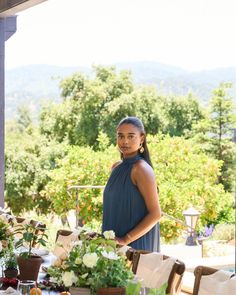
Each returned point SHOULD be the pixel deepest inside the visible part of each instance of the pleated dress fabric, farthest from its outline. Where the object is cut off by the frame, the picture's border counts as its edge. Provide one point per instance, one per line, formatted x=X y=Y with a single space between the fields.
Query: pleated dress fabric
x=124 y=207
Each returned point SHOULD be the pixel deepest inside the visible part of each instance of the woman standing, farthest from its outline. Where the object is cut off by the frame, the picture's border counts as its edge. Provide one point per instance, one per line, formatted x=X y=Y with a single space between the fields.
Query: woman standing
x=130 y=201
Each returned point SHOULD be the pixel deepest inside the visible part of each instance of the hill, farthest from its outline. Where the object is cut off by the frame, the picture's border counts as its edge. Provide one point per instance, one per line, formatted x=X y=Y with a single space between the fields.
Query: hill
x=33 y=84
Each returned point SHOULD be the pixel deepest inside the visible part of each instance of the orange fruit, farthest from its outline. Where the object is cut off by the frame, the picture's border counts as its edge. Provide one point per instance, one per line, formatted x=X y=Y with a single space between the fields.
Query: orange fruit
x=35 y=291
x=65 y=293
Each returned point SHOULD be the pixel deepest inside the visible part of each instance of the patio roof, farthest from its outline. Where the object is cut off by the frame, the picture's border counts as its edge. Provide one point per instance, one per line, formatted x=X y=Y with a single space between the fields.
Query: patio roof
x=10 y=8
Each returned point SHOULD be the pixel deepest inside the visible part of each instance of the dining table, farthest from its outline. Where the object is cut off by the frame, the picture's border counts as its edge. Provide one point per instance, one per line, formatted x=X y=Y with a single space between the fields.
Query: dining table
x=9 y=287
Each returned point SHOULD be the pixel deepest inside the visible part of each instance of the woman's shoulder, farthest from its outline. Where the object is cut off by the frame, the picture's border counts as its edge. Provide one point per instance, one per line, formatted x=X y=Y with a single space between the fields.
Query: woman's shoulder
x=142 y=168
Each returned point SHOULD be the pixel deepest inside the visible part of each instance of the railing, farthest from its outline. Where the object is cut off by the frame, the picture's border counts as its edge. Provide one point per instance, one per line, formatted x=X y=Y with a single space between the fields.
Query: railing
x=78 y=187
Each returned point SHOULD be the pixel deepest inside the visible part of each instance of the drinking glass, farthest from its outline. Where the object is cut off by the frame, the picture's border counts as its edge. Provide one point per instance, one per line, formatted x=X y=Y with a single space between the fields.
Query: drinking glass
x=1 y=270
x=25 y=287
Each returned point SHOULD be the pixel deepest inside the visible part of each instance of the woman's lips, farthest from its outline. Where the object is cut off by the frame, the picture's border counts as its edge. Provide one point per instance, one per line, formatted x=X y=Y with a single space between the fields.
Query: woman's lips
x=124 y=148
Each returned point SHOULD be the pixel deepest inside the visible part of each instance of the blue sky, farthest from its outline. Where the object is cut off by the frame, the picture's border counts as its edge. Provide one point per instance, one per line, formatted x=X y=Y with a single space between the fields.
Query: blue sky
x=192 y=34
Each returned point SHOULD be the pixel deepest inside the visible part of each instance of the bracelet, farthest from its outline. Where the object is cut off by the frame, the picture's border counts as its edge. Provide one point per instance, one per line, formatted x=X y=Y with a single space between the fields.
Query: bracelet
x=129 y=238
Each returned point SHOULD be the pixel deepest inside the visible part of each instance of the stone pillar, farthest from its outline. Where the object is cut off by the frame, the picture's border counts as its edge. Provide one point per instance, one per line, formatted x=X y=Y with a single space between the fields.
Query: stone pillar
x=7 y=29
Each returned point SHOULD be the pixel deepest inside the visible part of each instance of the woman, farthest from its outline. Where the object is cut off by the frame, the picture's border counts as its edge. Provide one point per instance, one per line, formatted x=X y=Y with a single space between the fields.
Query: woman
x=130 y=201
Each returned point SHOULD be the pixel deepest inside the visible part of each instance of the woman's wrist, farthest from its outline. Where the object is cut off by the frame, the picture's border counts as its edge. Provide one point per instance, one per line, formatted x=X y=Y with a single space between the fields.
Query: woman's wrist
x=128 y=238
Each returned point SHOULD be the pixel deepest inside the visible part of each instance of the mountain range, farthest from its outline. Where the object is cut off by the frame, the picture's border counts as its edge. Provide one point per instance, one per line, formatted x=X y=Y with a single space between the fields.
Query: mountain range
x=33 y=84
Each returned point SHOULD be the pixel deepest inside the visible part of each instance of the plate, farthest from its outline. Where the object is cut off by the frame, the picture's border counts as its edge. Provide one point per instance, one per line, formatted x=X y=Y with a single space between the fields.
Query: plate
x=40 y=252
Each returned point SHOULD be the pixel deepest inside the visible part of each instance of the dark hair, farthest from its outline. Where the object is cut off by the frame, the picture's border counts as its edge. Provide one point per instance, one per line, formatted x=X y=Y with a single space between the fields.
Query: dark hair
x=138 y=123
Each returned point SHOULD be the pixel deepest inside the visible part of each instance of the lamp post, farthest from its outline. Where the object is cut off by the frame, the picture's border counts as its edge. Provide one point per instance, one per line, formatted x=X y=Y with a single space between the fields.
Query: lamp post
x=191 y=216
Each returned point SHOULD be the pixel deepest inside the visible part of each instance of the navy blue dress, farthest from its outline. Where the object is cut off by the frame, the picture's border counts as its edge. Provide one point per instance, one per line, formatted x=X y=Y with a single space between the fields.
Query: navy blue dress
x=124 y=207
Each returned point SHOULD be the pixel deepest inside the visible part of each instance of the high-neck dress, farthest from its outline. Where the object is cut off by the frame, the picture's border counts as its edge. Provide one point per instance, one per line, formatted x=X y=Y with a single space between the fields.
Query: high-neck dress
x=124 y=207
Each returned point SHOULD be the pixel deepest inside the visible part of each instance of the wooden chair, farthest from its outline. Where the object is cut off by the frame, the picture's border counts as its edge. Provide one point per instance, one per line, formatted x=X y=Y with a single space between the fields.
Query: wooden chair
x=200 y=271
x=63 y=232
x=64 y=241
x=40 y=228
x=6 y=217
x=176 y=274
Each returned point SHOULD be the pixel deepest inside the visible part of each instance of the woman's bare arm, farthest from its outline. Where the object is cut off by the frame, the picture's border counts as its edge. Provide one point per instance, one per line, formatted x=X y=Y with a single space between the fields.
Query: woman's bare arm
x=144 y=178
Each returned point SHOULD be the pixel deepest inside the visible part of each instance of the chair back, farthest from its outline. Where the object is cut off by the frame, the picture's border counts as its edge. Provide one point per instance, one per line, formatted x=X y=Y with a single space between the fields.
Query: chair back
x=40 y=228
x=176 y=274
x=63 y=232
x=205 y=271
x=64 y=241
x=6 y=217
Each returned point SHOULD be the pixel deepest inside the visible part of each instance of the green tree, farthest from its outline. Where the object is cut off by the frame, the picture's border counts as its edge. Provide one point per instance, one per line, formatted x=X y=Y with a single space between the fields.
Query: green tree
x=24 y=119
x=181 y=114
x=28 y=161
x=94 y=105
x=187 y=176
x=82 y=166
x=215 y=133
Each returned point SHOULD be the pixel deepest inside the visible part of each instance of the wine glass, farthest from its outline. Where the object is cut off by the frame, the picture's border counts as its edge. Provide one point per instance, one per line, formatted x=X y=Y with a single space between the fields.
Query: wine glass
x=27 y=287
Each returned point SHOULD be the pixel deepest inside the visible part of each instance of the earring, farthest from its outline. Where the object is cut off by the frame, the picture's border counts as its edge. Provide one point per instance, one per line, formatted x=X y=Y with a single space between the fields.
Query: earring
x=141 y=148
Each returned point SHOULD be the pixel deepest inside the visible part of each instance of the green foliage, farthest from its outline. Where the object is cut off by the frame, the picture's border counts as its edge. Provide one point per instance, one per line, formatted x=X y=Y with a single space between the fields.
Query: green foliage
x=133 y=287
x=103 y=141
x=224 y=232
x=24 y=119
x=97 y=105
x=10 y=260
x=186 y=176
x=78 y=118
x=94 y=262
x=30 y=236
x=40 y=167
x=159 y=291
x=6 y=239
x=82 y=166
x=215 y=134
x=181 y=113
x=28 y=160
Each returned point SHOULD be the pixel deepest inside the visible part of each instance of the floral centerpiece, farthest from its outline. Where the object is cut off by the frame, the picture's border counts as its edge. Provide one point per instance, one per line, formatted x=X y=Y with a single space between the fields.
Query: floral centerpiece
x=95 y=262
x=6 y=238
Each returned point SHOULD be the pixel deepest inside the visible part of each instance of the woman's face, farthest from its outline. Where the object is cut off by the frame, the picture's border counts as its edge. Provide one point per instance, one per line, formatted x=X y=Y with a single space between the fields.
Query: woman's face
x=129 y=139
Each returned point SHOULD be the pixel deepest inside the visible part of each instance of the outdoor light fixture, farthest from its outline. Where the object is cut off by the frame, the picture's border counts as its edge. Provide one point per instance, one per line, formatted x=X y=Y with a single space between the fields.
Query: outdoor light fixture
x=191 y=216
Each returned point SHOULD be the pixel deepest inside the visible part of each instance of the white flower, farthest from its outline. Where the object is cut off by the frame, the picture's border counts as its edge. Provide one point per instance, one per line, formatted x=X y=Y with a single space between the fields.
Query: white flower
x=0 y=246
x=110 y=255
x=109 y=234
x=77 y=231
x=84 y=275
x=78 y=260
x=53 y=280
x=69 y=278
x=77 y=243
x=90 y=259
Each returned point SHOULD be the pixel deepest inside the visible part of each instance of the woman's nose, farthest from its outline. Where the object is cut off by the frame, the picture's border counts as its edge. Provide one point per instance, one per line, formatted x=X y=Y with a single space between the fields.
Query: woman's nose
x=126 y=140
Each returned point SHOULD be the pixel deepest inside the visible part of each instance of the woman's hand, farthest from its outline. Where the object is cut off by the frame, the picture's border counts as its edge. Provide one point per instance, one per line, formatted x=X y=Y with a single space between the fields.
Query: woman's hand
x=122 y=241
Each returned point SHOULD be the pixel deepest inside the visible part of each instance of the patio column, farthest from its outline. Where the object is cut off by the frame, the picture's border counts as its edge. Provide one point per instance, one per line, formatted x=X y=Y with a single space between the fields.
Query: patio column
x=7 y=29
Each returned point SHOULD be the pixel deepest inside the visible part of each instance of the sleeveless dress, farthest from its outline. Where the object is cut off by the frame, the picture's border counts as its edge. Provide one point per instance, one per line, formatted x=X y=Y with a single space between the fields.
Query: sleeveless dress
x=124 y=207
